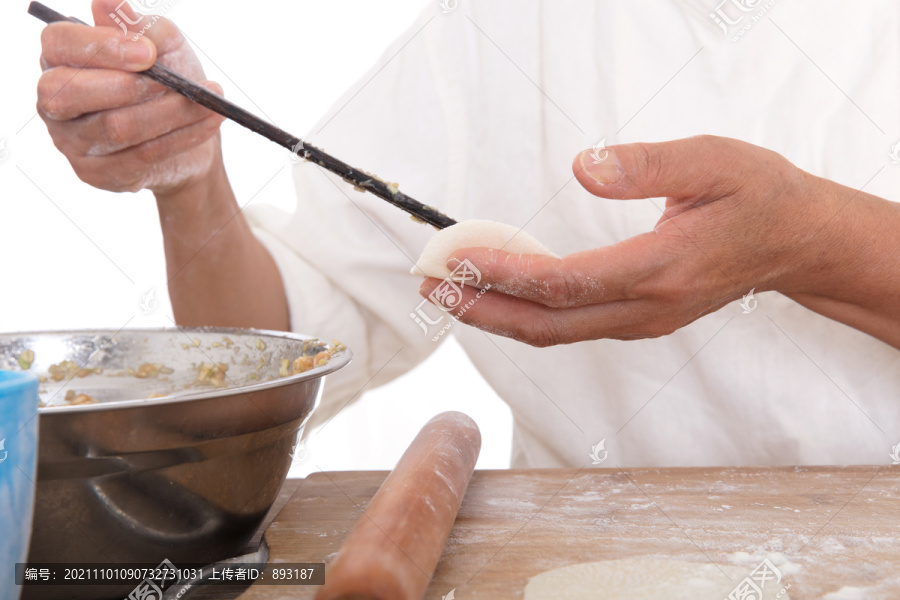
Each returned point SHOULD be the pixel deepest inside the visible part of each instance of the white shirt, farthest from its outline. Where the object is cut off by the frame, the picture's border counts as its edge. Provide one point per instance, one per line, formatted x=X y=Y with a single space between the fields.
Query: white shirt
x=480 y=111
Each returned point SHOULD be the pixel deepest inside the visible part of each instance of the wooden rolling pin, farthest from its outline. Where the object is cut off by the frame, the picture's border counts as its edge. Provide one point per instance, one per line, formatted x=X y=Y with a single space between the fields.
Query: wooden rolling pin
x=395 y=546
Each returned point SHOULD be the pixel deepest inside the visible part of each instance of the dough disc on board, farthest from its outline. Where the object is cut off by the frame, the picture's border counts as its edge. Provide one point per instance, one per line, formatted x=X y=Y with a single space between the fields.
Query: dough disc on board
x=639 y=579
x=473 y=234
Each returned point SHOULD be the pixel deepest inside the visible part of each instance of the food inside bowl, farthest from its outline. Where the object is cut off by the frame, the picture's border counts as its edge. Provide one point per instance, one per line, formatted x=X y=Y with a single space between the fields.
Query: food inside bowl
x=212 y=374
x=25 y=359
x=72 y=397
x=254 y=358
x=68 y=369
x=152 y=370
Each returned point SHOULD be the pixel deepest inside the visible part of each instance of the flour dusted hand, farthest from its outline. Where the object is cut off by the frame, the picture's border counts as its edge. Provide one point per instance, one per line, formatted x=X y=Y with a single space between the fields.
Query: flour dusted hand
x=120 y=130
x=737 y=218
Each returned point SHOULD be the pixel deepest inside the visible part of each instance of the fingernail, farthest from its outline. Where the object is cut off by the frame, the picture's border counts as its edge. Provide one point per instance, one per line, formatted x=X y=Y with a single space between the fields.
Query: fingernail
x=137 y=53
x=604 y=167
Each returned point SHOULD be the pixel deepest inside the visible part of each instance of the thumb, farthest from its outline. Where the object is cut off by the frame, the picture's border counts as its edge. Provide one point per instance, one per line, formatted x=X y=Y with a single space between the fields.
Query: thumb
x=688 y=168
x=155 y=30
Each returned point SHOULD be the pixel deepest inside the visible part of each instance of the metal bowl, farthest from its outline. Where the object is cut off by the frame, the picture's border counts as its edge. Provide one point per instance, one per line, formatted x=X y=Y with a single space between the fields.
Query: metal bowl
x=186 y=476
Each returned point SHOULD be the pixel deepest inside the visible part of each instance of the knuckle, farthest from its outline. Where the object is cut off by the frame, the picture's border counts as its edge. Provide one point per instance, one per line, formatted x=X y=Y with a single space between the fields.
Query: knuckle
x=542 y=332
x=562 y=288
x=115 y=128
x=733 y=169
x=50 y=98
x=146 y=153
x=556 y=288
x=48 y=43
x=649 y=162
x=785 y=178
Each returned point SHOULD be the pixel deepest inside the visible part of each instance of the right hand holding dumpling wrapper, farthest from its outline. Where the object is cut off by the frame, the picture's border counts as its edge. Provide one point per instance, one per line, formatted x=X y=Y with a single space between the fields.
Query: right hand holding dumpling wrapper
x=737 y=217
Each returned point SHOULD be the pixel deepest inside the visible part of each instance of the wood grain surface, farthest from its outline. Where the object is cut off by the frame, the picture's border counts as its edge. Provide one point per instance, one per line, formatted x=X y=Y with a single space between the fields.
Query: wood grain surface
x=824 y=527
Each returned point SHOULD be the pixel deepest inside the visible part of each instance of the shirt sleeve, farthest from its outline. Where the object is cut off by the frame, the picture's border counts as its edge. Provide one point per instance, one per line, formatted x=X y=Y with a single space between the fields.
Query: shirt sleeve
x=344 y=256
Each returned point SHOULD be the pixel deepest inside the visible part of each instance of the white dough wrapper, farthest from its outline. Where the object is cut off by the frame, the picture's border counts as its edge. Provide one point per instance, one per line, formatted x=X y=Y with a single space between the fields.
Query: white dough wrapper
x=473 y=234
x=639 y=579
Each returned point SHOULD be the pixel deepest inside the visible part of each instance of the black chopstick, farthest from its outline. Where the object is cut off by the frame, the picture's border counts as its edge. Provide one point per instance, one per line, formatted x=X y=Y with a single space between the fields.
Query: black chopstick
x=204 y=97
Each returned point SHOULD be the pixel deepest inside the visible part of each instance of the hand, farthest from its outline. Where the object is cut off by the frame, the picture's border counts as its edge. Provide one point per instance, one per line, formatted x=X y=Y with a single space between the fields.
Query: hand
x=122 y=131
x=737 y=217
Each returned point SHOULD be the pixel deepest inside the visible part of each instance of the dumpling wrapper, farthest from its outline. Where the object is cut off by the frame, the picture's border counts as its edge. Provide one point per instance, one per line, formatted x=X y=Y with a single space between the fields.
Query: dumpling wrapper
x=645 y=579
x=474 y=234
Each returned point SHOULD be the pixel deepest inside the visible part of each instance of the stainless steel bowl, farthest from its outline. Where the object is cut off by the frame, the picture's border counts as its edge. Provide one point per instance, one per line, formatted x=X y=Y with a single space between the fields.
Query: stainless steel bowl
x=187 y=476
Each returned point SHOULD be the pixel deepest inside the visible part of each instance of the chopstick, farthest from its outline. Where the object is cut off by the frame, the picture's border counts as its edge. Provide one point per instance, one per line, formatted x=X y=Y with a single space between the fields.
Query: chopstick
x=204 y=97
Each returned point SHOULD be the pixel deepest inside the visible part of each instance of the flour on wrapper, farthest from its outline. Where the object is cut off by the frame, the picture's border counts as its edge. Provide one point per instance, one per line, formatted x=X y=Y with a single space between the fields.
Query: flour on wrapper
x=648 y=579
x=474 y=234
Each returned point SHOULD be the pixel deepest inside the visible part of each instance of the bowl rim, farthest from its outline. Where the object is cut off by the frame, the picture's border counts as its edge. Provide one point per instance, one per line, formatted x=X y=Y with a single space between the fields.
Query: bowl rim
x=338 y=361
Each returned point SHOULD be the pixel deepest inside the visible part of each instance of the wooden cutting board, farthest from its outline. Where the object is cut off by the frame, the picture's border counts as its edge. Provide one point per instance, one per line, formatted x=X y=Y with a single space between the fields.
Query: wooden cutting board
x=824 y=527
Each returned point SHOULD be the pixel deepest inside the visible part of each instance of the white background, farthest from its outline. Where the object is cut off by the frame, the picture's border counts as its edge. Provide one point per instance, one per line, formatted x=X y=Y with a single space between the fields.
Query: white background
x=76 y=257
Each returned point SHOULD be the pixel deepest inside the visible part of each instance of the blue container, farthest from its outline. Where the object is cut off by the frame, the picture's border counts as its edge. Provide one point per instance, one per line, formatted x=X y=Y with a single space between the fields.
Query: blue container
x=18 y=462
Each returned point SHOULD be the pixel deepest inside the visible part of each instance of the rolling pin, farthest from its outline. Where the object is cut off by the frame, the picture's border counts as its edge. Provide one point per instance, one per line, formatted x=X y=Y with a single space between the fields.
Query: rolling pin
x=393 y=549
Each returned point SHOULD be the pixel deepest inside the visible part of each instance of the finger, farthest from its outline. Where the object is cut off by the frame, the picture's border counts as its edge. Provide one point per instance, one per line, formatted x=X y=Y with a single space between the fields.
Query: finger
x=66 y=93
x=111 y=131
x=542 y=326
x=80 y=46
x=693 y=168
x=625 y=271
x=159 y=30
x=126 y=171
x=166 y=36
x=163 y=148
